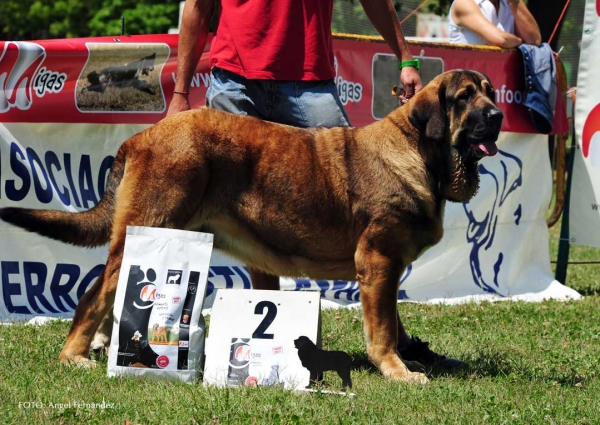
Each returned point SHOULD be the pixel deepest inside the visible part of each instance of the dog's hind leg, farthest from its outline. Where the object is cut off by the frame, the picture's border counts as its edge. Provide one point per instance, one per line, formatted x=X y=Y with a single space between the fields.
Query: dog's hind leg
x=92 y=307
x=139 y=204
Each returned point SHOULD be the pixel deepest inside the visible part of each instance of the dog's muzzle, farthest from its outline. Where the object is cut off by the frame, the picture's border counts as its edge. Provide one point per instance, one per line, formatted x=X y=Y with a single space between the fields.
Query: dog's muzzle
x=485 y=135
x=493 y=118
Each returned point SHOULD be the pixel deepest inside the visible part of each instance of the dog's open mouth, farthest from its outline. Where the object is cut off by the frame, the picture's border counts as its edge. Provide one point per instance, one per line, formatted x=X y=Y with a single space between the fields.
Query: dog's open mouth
x=482 y=149
x=475 y=150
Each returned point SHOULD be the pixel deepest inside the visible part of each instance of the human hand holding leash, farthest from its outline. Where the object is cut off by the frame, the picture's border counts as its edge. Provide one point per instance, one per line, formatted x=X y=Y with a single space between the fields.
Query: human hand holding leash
x=411 y=80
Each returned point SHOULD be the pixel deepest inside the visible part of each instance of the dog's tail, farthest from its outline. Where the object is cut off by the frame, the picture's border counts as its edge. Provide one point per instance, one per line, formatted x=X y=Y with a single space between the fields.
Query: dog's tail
x=88 y=228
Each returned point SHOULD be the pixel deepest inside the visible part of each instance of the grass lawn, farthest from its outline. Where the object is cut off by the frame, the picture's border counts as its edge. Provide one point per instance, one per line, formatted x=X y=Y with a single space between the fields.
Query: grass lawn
x=529 y=364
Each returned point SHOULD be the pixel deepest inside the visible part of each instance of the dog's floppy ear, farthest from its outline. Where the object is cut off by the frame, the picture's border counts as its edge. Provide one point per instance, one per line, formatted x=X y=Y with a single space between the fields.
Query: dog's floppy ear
x=428 y=112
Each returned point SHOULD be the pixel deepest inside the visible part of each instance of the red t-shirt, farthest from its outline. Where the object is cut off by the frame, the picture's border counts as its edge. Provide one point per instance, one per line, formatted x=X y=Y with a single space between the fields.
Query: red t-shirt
x=275 y=39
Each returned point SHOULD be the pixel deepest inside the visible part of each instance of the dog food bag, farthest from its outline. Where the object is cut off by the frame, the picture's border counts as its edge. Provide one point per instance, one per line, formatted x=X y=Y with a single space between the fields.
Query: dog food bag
x=159 y=329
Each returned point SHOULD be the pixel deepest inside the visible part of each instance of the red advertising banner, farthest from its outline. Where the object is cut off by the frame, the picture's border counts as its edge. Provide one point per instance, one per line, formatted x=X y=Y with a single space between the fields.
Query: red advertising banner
x=130 y=79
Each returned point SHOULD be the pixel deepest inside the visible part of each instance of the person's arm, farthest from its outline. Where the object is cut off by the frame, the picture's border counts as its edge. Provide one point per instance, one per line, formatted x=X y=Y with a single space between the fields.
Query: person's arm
x=526 y=26
x=382 y=15
x=193 y=34
x=466 y=13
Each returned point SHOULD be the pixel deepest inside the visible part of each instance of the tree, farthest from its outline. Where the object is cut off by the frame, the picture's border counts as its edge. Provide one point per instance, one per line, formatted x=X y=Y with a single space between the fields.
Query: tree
x=40 y=19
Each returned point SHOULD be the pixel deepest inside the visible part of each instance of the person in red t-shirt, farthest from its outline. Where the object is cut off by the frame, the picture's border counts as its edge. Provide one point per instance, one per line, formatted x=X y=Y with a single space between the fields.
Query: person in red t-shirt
x=273 y=59
x=283 y=40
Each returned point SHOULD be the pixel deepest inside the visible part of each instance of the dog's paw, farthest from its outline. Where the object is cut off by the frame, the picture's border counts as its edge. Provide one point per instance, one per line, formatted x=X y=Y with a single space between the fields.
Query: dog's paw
x=100 y=343
x=79 y=361
x=410 y=378
x=398 y=371
x=85 y=363
x=417 y=378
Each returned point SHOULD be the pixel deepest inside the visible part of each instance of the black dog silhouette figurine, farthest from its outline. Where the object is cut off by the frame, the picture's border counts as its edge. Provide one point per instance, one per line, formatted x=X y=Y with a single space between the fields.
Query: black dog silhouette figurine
x=317 y=361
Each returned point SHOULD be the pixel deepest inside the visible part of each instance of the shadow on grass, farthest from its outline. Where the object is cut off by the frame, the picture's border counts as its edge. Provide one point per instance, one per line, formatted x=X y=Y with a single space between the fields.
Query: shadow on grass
x=360 y=361
x=487 y=363
x=589 y=291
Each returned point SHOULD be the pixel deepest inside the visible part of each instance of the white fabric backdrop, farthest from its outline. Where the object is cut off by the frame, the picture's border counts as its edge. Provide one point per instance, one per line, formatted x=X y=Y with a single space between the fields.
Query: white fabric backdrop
x=584 y=222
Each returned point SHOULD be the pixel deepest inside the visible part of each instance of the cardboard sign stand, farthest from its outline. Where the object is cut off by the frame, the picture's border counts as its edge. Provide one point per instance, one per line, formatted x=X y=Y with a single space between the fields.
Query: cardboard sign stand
x=251 y=337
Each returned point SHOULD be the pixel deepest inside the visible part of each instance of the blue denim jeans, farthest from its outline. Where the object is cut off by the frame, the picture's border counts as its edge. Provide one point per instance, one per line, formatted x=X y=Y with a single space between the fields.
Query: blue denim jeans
x=296 y=103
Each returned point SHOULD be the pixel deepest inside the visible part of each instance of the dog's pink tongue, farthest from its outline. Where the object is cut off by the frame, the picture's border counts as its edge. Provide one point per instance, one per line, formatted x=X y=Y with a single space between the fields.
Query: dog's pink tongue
x=489 y=148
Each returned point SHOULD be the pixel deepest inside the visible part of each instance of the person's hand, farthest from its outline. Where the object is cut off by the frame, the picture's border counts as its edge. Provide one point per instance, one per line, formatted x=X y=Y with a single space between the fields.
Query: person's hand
x=179 y=103
x=411 y=80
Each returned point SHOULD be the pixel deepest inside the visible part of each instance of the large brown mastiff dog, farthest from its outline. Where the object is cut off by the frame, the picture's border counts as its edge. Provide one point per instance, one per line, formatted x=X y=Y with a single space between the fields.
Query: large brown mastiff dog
x=339 y=203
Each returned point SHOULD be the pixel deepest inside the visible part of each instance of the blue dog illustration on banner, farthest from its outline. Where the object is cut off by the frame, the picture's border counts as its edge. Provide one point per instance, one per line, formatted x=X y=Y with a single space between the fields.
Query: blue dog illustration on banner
x=506 y=172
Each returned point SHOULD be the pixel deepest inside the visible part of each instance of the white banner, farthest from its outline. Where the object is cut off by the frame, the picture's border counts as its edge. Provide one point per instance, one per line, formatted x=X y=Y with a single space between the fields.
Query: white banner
x=494 y=247
x=584 y=222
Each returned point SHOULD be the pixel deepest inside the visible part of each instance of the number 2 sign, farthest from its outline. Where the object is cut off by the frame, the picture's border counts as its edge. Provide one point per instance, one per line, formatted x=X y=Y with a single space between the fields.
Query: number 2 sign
x=251 y=337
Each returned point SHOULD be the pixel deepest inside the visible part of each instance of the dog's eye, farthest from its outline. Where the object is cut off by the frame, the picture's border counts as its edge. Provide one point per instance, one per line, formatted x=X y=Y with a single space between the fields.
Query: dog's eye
x=465 y=96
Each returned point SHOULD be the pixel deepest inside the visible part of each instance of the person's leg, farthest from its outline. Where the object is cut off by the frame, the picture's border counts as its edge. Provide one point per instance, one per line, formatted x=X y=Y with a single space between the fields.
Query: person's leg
x=307 y=104
x=233 y=93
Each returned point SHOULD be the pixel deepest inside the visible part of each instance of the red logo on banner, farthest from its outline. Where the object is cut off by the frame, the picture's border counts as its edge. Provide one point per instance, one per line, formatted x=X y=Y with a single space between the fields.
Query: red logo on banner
x=19 y=64
x=590 y=136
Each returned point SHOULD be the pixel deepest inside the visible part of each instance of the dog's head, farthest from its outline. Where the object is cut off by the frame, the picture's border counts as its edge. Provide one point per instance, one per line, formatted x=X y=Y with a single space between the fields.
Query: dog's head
x=302 y=342
x=459 y=123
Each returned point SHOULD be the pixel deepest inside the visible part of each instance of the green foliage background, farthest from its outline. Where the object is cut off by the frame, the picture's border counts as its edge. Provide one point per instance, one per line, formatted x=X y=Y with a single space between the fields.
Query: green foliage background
x=44 y=19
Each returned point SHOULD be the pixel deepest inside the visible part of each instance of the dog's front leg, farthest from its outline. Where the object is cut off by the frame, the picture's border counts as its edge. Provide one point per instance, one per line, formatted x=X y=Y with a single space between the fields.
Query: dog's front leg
x=316 y=377
x=378 y=277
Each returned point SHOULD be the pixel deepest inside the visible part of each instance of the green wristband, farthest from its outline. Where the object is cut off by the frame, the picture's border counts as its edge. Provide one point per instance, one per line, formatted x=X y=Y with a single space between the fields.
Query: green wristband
x=412 y=63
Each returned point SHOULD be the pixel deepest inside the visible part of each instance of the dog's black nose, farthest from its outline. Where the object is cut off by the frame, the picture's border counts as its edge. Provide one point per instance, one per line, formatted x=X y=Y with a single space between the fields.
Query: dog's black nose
x=494 y=115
